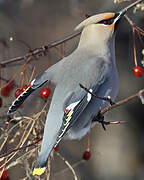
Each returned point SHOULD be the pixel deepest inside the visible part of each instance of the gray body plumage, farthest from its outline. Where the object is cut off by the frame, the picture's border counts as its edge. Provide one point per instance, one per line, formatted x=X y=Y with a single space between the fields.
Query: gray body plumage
x=92 y=64
x=89 y=69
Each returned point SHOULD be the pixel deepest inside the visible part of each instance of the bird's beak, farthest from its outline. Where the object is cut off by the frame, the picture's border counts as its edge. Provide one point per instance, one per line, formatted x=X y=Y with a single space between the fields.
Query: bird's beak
x=119 y=15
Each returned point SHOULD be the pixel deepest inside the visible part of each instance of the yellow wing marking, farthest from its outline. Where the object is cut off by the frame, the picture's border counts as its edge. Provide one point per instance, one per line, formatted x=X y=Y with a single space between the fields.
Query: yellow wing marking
x=68 y=118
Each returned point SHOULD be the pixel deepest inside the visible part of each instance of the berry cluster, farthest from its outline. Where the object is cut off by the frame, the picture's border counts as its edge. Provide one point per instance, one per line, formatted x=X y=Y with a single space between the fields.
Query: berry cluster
x=45 y=92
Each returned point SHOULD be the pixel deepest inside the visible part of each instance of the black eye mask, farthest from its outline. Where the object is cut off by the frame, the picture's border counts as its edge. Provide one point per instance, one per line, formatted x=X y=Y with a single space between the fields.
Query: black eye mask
x=108 y=21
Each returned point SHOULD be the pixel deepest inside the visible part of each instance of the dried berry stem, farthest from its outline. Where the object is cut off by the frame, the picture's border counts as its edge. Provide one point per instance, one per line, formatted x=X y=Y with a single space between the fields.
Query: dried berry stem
x=134 y=47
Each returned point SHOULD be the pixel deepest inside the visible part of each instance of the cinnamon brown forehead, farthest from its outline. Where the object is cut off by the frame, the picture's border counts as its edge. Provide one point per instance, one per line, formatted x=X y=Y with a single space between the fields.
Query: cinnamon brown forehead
x=108 y=16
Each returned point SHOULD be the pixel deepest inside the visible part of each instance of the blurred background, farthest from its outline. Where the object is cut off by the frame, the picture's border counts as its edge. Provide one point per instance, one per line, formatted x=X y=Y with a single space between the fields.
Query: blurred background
x=118 y=152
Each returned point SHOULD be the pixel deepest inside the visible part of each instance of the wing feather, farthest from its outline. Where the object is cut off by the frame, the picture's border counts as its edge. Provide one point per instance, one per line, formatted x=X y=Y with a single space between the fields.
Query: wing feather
x=71 y=114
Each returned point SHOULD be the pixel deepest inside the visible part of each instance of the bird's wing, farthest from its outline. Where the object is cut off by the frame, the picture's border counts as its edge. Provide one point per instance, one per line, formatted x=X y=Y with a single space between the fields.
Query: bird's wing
x=79 y=100
x=75 y=106
x=36 y=83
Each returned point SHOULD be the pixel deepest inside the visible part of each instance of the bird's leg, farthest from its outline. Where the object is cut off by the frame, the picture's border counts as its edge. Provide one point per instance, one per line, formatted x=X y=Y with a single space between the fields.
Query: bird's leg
x=100 y=118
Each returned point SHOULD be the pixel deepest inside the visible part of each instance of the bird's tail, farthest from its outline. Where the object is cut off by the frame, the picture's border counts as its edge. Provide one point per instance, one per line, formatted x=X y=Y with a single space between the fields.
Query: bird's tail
x=49 y=139
x=36 y=83
x=41 y=163
x=38 y=171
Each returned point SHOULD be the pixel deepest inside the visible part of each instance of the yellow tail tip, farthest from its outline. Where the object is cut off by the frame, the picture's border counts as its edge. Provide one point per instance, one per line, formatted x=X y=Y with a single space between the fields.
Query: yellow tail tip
x=39 y=171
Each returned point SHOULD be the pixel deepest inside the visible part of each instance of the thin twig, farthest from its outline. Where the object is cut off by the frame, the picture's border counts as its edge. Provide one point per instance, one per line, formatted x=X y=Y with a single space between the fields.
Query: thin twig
x=20 y=147
x=94 y=95
x=132 y=5
x=32 y=74
x=134 y=47
x=24 y=140
x=18 y=160
x=49 y=169
x=13 y=77
x=68 y=164
x=108 y=108
x=138 y=29
x=67 y=169
x=137 y=95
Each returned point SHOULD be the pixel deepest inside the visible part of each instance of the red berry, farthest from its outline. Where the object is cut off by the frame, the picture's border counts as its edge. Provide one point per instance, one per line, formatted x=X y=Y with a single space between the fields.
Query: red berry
x=45 y=93
x=56 y=147
x=4 y=176
x=18 y=92
x=5 y=91
x=87 y=155
x=24 y=87
x=1 y=102
x=138 y=71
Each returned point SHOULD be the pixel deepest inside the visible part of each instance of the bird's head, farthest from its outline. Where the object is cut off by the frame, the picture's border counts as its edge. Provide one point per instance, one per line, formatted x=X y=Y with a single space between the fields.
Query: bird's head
x=100 y=27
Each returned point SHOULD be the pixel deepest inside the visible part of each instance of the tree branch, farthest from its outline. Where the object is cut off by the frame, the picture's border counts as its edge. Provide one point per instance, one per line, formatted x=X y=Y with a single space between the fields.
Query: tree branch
x=20 y=148
x=39 y=51
x=137 y=95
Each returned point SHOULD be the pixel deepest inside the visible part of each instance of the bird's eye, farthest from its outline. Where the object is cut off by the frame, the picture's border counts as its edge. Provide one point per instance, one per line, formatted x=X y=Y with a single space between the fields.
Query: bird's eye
x=107 y=22
x=104 y=22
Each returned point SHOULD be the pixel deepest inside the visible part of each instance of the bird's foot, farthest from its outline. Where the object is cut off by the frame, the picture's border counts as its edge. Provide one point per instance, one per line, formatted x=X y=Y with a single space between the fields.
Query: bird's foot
x=115 y=122
x=100 y=118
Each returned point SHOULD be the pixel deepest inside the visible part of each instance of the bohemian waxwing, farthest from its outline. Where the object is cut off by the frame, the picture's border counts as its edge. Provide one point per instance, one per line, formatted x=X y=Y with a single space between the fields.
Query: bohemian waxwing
x=72 y=108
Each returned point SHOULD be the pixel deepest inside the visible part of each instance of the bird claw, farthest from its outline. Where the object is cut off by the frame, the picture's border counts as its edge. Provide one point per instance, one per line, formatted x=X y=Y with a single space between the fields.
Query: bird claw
x=116 y=122
x=99 y=118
